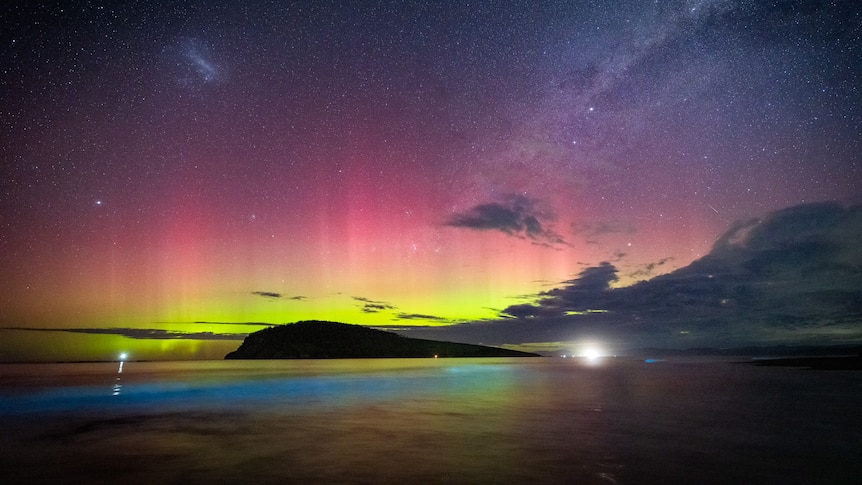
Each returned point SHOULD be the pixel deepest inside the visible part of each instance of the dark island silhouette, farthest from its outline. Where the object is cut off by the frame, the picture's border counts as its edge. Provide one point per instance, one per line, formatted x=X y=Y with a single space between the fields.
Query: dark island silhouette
x=331 y=340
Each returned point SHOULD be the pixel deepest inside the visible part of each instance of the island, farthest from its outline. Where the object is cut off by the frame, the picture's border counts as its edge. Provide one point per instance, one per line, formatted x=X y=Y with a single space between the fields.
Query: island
x=331 y=340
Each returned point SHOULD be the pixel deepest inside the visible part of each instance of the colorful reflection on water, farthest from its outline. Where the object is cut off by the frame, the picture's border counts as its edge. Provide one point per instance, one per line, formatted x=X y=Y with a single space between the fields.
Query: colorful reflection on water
x=427 y=420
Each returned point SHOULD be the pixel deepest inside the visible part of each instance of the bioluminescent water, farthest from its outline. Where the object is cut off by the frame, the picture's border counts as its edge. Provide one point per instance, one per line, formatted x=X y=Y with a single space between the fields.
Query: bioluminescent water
x=605 y=420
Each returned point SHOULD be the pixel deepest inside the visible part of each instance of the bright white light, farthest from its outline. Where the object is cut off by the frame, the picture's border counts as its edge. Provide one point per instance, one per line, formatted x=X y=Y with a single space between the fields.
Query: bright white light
x=592 y=353
x=123 y=356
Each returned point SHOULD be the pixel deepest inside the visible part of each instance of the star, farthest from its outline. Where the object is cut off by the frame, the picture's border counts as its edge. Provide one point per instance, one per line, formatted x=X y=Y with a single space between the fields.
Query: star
x=495 y=157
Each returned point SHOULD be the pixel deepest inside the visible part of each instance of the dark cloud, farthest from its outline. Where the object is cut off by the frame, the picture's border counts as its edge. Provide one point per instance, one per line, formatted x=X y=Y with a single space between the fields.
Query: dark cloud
x=515 y=216
x=277 y=296
x=525 y=310
x=375 y=307
x=792 y=277
x=372 y=306
x=593 y=280
x=142 y=333
x=419 y=316
x=793 y=244
x=256 y=324
x=577 y=294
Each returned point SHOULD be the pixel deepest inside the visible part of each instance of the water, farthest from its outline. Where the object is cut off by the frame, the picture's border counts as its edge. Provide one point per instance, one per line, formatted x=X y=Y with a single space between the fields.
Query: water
x=429 y=421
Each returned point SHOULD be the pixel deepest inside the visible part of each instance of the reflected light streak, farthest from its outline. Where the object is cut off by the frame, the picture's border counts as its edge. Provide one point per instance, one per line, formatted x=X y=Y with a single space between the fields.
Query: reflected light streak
x=118 y=386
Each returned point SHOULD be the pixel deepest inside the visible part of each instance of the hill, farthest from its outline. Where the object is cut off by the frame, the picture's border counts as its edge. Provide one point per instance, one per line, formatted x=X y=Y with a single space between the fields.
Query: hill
x=331 y=340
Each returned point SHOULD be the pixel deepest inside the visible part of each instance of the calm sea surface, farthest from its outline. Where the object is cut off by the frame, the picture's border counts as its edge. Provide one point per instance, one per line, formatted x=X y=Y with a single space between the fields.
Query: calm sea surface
x=429 y=421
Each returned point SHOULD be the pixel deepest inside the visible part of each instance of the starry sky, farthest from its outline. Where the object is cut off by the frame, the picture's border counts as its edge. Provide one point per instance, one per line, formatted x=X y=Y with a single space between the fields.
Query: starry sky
x=178 y=174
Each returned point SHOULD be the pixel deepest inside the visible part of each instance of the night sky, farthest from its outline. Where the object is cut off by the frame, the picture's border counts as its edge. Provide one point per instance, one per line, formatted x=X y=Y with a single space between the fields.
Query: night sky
x=177 y=174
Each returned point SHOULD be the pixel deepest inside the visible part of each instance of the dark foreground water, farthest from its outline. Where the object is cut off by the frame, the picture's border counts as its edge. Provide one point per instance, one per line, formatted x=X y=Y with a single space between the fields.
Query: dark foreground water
x=429 y=421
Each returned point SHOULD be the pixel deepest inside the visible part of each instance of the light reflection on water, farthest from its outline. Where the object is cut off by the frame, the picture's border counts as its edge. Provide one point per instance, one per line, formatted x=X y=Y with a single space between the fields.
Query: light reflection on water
x=429 y=420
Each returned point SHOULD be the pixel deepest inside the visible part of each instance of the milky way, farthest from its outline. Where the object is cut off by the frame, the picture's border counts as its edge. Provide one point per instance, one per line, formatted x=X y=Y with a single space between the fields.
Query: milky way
x=395 y=164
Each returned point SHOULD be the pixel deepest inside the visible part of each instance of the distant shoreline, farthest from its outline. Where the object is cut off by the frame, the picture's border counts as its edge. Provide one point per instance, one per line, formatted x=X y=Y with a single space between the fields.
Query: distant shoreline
x=788 y=356
x=814 y=363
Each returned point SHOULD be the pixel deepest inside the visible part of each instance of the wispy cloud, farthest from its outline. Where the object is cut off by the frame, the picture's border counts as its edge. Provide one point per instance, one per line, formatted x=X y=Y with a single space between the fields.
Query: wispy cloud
x=141 y=333
x=419 y=316
x=649 y=269
x=372 y=306
x=255 y=324
x=596 y=229
x=272 y=295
